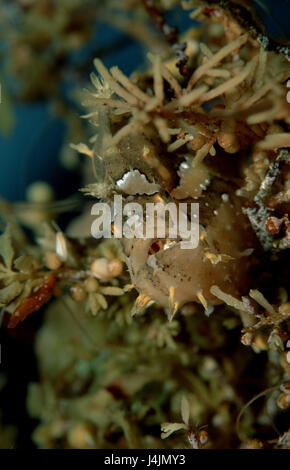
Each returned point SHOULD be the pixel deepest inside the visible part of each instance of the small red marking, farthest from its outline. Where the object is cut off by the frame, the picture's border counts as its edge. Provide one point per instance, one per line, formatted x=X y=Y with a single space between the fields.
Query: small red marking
x=34 y=302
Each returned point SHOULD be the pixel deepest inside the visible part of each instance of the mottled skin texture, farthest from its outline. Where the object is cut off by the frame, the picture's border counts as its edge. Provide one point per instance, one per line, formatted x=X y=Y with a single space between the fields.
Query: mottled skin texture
x=188 y=271
x=176 y=275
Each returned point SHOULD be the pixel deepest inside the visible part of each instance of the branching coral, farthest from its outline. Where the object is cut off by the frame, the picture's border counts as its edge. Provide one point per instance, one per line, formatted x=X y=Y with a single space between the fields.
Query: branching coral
x=251 y=94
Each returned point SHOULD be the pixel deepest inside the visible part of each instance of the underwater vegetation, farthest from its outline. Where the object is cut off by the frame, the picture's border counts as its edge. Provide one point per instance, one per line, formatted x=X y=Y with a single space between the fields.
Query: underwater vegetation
x=144 y=344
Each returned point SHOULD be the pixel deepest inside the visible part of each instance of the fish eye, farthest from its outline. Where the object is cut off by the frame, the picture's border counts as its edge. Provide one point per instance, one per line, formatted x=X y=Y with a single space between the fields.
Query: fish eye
x=155 y=247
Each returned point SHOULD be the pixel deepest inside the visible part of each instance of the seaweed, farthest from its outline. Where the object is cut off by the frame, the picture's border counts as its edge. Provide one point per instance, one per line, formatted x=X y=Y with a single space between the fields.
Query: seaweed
x=144 y=344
